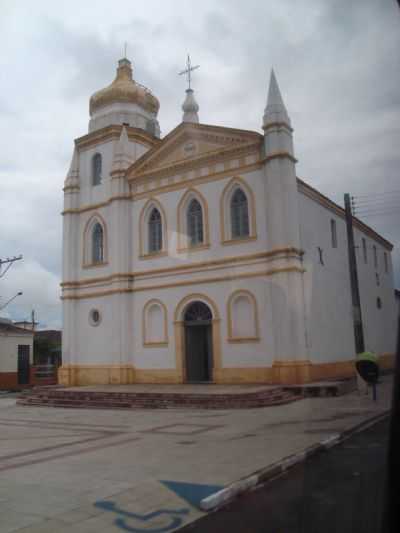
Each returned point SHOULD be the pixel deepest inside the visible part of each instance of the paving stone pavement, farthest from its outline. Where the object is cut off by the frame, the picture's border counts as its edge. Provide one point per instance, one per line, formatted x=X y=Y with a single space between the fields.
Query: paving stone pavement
x=101 y=470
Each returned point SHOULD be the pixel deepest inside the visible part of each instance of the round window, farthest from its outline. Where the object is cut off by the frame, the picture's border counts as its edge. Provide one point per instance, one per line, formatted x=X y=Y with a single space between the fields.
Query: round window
x=94 y=317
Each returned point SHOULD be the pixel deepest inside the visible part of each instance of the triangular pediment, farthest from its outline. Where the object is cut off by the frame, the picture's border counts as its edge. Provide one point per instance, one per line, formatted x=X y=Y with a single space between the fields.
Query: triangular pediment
x=191 y=143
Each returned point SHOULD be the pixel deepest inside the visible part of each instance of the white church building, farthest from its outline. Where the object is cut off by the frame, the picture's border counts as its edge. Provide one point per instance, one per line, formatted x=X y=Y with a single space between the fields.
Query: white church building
x=201 y=257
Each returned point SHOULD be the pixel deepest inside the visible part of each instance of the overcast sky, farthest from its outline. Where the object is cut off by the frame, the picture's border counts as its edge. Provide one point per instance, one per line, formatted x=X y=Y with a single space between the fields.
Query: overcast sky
x=337 y=64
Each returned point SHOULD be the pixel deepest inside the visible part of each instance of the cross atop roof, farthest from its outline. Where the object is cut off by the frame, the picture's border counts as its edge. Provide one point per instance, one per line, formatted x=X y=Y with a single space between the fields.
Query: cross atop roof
x=189 y=69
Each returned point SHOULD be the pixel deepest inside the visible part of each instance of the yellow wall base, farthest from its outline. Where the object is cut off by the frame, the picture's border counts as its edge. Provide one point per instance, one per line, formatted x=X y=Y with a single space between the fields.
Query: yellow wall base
x=243 y=375
x=281 y=373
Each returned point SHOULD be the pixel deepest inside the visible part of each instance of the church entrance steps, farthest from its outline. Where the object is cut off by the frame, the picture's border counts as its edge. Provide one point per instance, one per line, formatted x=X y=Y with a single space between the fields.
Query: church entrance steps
x=324 y=388
x=102 y=398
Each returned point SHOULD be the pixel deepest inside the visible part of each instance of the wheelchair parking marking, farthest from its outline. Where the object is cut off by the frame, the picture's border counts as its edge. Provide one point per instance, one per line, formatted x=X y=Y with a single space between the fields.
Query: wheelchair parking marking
x=175 y=515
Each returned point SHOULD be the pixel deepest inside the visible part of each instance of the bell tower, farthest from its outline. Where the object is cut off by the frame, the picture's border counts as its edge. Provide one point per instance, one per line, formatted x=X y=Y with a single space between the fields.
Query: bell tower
x=291 y=364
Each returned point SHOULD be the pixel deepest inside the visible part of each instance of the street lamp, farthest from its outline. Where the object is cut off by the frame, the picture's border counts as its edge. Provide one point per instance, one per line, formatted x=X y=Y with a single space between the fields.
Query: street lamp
x=11 y=299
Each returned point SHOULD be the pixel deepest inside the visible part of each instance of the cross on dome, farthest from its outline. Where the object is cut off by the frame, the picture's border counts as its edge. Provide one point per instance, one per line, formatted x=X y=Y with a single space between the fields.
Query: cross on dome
x=188 y=70
x=190 y=107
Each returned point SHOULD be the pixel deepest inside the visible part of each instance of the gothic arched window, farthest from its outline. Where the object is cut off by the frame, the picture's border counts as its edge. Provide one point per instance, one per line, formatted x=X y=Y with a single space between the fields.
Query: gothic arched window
x=96 y=169
x=97 y=244
x=155 y=231
x=197 y=311
x=195 y=223
x=239 y=215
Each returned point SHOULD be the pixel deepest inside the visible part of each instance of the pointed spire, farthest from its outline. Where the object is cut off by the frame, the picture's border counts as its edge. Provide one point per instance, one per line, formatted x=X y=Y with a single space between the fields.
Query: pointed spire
x=275 y=110
x=190 y=108
x=72 y=179
x=122 y=159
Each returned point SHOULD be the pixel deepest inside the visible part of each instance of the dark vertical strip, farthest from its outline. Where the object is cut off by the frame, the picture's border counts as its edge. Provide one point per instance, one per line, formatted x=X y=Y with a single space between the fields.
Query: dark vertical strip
x=392 y=499
x=355 y=292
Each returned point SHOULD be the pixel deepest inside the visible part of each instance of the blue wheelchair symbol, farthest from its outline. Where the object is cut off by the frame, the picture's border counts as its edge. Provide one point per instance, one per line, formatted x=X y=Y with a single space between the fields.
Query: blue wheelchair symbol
x=174 y=514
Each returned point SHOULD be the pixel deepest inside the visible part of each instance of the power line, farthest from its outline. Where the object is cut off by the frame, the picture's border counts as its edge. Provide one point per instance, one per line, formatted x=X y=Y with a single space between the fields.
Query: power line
x=383 y=213
x=375 y=201
x=372 y=195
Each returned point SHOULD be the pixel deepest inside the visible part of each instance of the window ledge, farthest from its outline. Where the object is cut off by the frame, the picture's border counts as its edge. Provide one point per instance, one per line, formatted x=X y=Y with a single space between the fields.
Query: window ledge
x=95 y=265
x=196 y=248
x=240 y=240
x=243 y=339
x=155 y=344
x=154 y=255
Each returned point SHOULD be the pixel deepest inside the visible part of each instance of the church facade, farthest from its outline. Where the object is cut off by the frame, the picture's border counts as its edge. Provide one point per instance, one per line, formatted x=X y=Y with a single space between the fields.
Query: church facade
x=201 y=257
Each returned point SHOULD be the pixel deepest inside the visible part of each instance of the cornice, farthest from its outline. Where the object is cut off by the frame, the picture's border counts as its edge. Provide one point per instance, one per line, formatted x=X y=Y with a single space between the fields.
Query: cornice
x=185 y=283
x=216 y=134
x=279 y=155
x=93 y=207
x=278 y=125
x=186 y=165
x=279 y=253
x=114 y=132
x=183 y=184
x=323 y=200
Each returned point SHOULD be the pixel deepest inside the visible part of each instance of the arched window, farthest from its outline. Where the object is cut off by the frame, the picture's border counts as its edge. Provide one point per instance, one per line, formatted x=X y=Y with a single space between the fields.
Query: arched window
x=155 y=231
x=195 y=223
x=96 y=169
x=97 y=244
x=197 y=311
x=239 y=215
x=242 y=317
x=155 y=328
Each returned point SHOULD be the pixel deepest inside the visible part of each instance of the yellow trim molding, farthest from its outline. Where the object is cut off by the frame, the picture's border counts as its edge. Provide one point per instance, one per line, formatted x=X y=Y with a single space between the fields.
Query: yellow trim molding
x=281 y=372
x=200 y=281
x=113 y=133
x=192 y=182
x=250 y=296
x=79 y=375
x=277 y=253
x=146 y=341
x=179 y=325
x=190 y=298
x=236 y=375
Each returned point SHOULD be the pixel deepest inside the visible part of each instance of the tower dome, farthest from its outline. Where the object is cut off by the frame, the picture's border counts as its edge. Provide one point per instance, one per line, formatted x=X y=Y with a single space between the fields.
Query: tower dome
x=124 y=101
x=190 y=108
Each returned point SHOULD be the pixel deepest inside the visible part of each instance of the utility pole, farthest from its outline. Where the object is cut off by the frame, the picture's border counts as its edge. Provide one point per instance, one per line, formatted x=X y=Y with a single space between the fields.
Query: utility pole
x=355 y=291
x=9 y=262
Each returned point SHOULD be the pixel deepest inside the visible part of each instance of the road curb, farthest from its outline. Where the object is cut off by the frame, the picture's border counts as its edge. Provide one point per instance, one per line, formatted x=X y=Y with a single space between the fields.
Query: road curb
x=270 y=472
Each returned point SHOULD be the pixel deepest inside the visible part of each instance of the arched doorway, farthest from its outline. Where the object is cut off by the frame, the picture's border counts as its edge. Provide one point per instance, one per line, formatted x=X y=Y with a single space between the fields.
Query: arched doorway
x=198 y=342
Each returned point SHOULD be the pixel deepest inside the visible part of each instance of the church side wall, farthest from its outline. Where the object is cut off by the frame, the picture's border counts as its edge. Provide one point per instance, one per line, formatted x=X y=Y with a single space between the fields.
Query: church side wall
x=328 y=293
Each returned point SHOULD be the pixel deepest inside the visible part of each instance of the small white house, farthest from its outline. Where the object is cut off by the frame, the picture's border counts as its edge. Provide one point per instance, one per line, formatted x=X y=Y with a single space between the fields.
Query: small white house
x=16 y=355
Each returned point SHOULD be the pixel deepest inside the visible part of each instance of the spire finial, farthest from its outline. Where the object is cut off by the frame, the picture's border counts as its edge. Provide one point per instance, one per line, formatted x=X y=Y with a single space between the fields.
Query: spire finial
x=275 y=110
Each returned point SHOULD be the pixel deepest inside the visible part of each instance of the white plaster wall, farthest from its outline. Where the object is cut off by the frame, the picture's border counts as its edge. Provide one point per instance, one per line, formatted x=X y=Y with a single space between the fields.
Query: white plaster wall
x=110 y=341
x=122 y=113
x=9 y=351
x=90 y=194
x=249 y=354
x=212 y=191
x=330 y=333
x=379 y=324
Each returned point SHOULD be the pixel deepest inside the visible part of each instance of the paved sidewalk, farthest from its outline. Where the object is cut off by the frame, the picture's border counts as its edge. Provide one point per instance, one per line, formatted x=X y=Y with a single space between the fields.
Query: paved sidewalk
x=95 y=471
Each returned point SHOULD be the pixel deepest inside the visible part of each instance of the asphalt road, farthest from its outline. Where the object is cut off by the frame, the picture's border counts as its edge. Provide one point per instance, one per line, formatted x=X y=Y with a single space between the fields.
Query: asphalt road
x=340 y=490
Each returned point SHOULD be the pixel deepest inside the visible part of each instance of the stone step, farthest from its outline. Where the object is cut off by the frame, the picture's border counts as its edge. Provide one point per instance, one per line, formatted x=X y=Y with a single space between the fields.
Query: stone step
x=77 y=399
